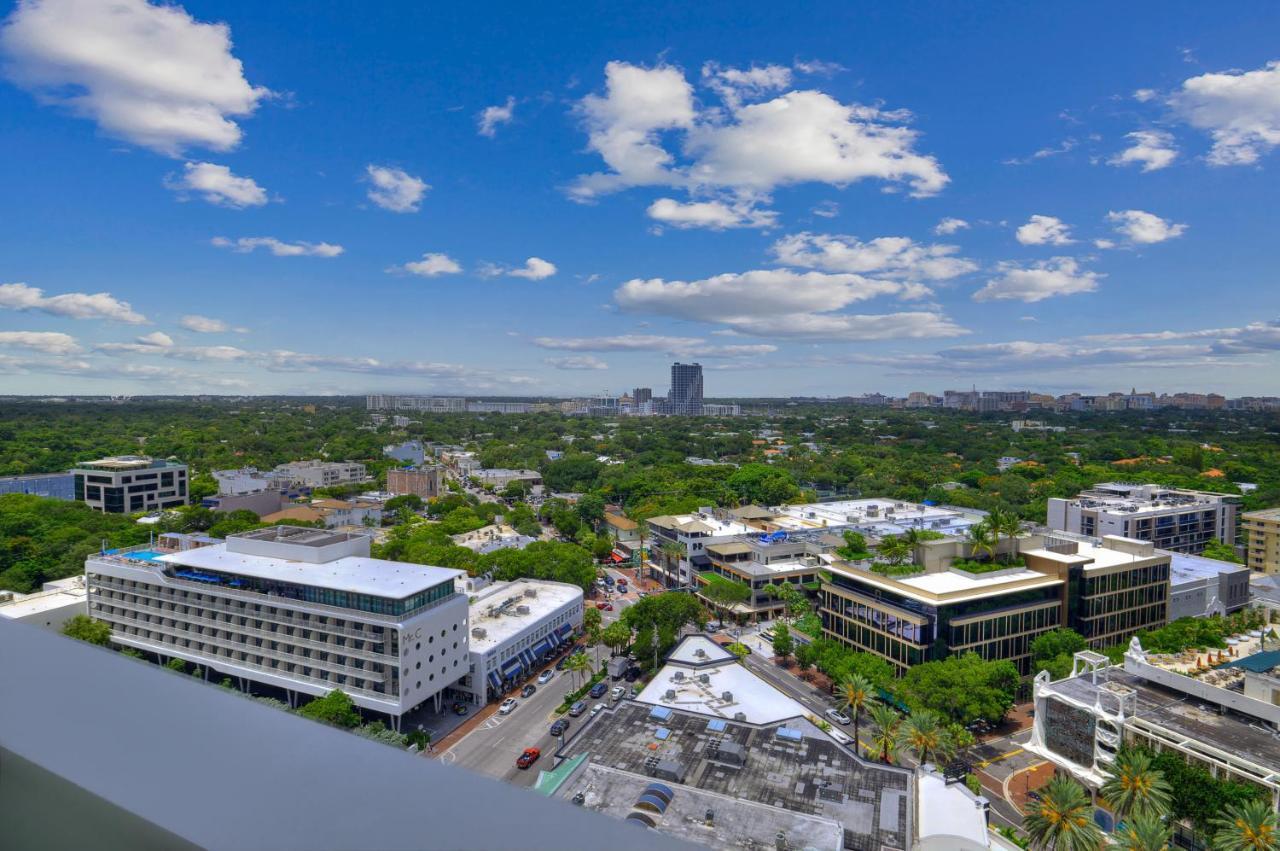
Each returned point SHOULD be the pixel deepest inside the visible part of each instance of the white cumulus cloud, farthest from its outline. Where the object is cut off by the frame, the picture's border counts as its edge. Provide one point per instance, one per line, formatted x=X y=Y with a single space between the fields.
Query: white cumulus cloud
x=891 y=256
x=1044 y=230
x=1239 y=109
x=247 y=244
x=949 y=226
x=534 y=269
x=713 y=215
x=1058 y=276
x=1151 y=149
x=148 y=73
x=1144 y=228
x=70 y=305
x=50 y=342
x=679 y=346
x=491 y=117
x=746 y=147
x=156 y=338
x=395 y=189
x=217 y=185
x=430 y=266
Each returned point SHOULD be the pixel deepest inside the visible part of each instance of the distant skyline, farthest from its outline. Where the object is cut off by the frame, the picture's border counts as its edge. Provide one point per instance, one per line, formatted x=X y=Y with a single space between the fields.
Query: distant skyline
x=826 y=200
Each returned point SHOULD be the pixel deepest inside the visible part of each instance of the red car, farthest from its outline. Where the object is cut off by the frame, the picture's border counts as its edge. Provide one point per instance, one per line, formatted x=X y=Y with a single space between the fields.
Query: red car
x=528 y=758
x=606 y=607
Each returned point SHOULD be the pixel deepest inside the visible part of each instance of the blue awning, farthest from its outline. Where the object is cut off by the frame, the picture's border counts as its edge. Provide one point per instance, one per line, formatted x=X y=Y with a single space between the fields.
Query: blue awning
x=511 y=666
x=541 y=647
x=555 y=640
x=564 y=630
x=494 y=681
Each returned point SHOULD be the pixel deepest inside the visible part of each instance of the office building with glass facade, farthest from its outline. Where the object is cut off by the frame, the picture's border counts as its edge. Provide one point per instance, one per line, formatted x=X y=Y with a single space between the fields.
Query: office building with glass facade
x=302 y=610
x=1106 y=591
x=125 y=484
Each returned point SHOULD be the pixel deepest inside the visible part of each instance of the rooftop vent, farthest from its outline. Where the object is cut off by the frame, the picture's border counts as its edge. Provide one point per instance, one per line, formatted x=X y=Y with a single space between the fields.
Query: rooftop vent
x=678 y=676
x=522 y=610
x=479 y=632
x=670 y=695
x=704 y=678
x=739 y=716
x=727 y=696
x=700 y=653
x=531 y=592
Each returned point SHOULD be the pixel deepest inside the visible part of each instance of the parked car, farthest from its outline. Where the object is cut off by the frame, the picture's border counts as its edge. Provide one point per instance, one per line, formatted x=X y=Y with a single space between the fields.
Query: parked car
x=508 y=706
x=459 y=708
x=558 y=728
x=528 y=758
x=608 y=607
x=632 y=674
x=598 y=690
x=528 y=690
x=837 y=716
x=545 y=677
x=622 y=586
x=578 y=708
x=617 y=692
x=608 y=580
x=597 y=709
x=641 y=595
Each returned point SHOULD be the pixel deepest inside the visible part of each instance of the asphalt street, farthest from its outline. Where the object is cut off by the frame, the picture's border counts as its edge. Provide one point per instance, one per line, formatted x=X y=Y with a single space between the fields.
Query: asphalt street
x=493 y=746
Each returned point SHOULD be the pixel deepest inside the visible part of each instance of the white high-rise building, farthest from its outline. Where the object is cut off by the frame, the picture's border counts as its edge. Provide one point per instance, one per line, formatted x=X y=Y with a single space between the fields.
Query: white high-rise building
x=1171 y=518
x=304 y=610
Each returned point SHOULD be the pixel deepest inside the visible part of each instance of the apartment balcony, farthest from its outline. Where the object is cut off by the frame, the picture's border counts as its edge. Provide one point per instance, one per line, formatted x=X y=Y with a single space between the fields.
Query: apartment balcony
x=266 y=635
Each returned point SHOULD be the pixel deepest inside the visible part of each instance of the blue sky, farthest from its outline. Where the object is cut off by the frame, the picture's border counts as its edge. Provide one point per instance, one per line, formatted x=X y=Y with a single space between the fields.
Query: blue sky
x=811 y=199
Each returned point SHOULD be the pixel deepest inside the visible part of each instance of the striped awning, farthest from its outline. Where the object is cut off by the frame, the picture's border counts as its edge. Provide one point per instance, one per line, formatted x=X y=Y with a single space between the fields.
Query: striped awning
x=541 y=647
x=494 y=681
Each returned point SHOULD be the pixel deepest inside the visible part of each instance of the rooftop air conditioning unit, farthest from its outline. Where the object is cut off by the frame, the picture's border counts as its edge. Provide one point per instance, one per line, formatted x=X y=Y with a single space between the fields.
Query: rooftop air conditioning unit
x=700 y=653
x=678 y=676
x=522 y=610
x=739 y=716
x=531 y=592
x=479 y=632
x=704 y=678
x=670 y=695
x=727 y=696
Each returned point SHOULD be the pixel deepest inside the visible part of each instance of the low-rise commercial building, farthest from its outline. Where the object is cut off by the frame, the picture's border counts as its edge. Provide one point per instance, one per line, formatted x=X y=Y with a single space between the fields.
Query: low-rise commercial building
x=625 y=533
x=1200 y=587
x=516 y=627
x=495 y=536
x=425 y=482
x=678 y=542
x=498 y=478
x=332 y=513
x=1106 y=591
x=51 y=607
x=760 y=562
x=712 y=754
x=47 y=485
x=1171 y=518
x=1217 y=721
x=1262 y=539
x=125 y=484
x=301 y=610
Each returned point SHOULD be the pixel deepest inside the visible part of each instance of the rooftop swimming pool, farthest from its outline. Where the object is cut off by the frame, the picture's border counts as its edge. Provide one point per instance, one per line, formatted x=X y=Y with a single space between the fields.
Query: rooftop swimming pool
x=137 y=555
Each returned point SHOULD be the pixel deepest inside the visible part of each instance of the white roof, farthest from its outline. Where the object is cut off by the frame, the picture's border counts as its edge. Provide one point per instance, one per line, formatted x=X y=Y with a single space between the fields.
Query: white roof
x=354 y=574
x=949 y=811
x=498 y=628
x=760 y=702
x=43 y=601
x=687 y=651
x=948 y=582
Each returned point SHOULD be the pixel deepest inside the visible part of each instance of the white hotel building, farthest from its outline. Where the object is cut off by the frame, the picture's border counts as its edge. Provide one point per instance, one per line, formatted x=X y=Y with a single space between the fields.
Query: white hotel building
x=303 y=610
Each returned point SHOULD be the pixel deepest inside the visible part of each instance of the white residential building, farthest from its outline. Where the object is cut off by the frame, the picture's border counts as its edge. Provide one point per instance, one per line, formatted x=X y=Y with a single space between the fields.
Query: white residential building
x=688 y=536
x=321 y=474
x=429 y=404
x=302 y=610
x=515 y=628
x=1171 y=518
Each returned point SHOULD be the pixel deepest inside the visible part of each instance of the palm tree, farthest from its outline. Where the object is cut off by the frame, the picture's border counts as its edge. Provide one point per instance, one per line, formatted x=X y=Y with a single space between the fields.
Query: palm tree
x=1143 y=833
x=924 y=735
x=672 y=554
x=1135 y=788
x=1248 y=826
x=1062 y=820
x=855 y=693
x=1006 y=523
x=894 y=549
x=888 y=729
x=981 y=540
x=578 y=665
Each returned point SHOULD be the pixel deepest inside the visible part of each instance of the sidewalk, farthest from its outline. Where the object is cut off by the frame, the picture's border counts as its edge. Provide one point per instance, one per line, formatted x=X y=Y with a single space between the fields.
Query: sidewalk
x=458 y=733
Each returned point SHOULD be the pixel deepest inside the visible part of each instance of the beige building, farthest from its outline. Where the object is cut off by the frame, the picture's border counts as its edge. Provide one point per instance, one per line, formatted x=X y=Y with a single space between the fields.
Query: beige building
x=423 y=481
x=1262 y=539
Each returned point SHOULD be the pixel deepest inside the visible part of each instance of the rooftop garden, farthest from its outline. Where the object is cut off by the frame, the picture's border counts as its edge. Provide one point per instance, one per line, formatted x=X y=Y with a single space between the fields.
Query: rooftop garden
x=970 y=565
x=885 y=568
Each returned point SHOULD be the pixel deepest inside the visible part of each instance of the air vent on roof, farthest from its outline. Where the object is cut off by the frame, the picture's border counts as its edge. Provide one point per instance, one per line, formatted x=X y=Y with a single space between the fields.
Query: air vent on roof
x=704 y=678
x=531 y=592
x=739 y=716
x=522 y=610
x=700 y=653
x=678 y=676
x=479 y=632
x=670 y=695
x=727 y=696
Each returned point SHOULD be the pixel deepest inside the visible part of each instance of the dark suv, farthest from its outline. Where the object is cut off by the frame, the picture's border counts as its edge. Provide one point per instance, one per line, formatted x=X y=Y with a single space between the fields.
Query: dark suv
x=598 y=690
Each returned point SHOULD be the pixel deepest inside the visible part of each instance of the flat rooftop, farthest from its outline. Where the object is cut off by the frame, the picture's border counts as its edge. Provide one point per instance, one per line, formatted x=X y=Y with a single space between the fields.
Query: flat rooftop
x=1188 y=568
x=801 y=783
x=353 y=574
x=297 y=535
x=1129 y=498
x=1262 y=514
x=702 y=522
x=1187 y=717
x=126 y=462
x=25 y=605
x=495 y=608
x=878 y=516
